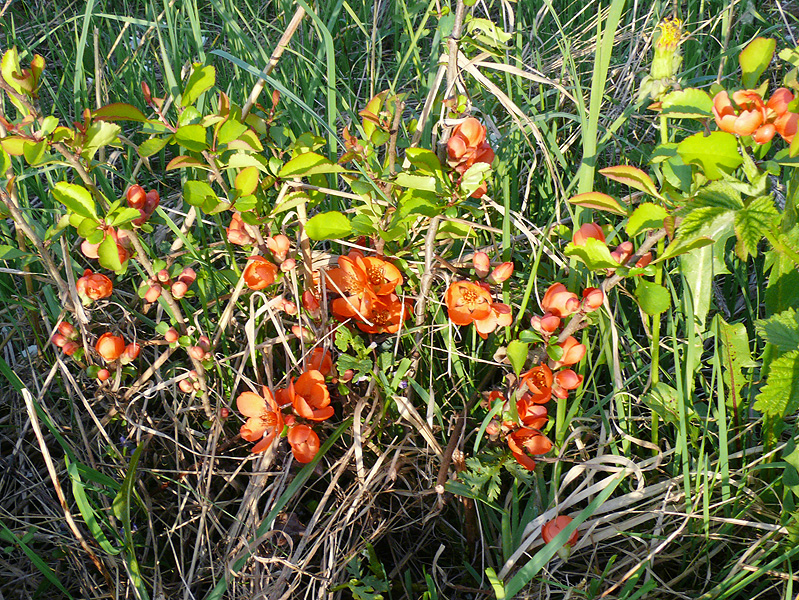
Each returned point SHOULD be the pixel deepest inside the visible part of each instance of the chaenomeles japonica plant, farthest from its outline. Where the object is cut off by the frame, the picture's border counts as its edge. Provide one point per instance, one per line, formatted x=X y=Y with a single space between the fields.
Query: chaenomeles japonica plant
x=734 y=180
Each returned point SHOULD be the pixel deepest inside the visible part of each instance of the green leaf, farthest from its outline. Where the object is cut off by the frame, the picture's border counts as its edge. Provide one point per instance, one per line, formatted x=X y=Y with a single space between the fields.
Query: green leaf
x=473 y=177
x=735 y=356
x=109 y=254
x=99 y=135
x=34 y=151
x=86 y=510
x=200 y=80
x=192 y=137
x=123 y=216
x=593 y=253
x=715 y=154
x=76 y=198
x=247 y=181
x=752 y=223
x=5 y=163
x=10 y=253
x=197 y=192
x=517 y=355
x=780 y=395
x=755 y=59
x=309 y=163
x=690 y=103
x=652 y=298
x=632 y=176
x=416 y=182
x=327 y=226
x=646 y=216
x=90 y=229
x=424 y=160
x=230 y=130
x=119 y=111
x=782 y=330
x=599 y=201
x=152 y=146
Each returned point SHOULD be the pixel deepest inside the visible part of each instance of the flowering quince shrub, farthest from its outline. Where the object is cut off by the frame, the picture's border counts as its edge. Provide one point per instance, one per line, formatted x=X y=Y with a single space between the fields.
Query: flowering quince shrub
x=283 y=289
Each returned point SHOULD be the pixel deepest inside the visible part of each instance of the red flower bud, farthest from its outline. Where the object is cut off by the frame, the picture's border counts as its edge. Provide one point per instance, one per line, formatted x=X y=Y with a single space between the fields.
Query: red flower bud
x=501 y=273
x=279 y=245
x=559 y=301
x=179 y=289
x=185 y=386
x=171 y=335
x=163 y=276
x=130 y=354
x=67 y=330
x=644 y=260
x=70 y=348
x=482 y=264
x=59 y=340
x=288 y=265
x=310 y=303
x=188 y=276
x=589 y=230
x=196 y=352
x=136 y=196
x=103 y=374
x=153 y=294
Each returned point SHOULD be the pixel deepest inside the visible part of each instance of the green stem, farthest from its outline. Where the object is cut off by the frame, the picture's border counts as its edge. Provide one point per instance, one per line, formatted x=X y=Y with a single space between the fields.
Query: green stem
x=655 y=351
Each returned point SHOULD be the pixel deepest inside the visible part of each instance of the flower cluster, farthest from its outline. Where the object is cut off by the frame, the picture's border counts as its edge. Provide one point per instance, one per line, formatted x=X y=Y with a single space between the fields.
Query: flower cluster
x=752 y=116
x=112 y=348
x=471 y=302
x=622 y=252
x=468 y=146
x=66 y=338
x=178 y=287
x=144 y=202
x=367 y=286
x=307 y=401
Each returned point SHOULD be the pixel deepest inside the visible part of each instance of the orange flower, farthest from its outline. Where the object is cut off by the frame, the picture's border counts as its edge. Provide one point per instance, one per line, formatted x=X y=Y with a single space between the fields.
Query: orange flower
x=279 y=246
x=93 y=286
x=110 y=346
x=754 y=117
x=501 y=273
x=467 y=302
x=546 y=324
x=539 y=381
x=259 y=273
x=555 y=526
x=384 y=313
x=468 y=145
x=530 y=414
x=573 y=352
x=304 y=443
x=500 y=316
x=239 y=232
x=265 y=419
x=592 y=299
x=589 y=230
x=566 y=380
x=321 y=360
x=526 y=440
x=360 y=279
x=309 y=396
x=559 y=301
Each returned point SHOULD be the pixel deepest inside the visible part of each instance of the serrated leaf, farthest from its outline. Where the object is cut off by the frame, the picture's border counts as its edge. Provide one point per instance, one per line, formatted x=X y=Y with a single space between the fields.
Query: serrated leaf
x=715 y=154
x=782 y=330
x=780 y=395
x=594 y=253
x=152 y=146
x=698 y=221
x=109 y=254
x=652 y=298
x=328 y=226
x=752 y=223
x=76 y=198
x=197 y=193
x=690 y=103
x=632 y=176
x=191 y=137
x=200 y=80
x=309 y=163
x=599 y=201
x=247 y=181
x=516 y=352
x=119 y=111
x=754 y=60
x=646 y=216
